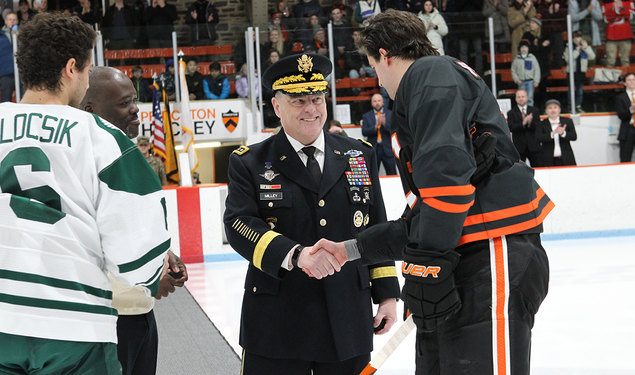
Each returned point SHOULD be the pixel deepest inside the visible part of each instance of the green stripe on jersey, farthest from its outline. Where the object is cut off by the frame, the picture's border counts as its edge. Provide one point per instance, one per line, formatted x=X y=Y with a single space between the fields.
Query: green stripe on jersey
x=154 y=287
x=131 y=173
x=136 y=264
x=123 y=141
x=57 y=305
x=57 y=283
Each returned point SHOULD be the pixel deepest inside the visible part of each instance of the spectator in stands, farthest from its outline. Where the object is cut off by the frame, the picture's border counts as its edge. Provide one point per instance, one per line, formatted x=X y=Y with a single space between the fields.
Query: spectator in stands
x=86 y=12
x=273 y=56
x=582 y=53
x=277 y=42
x=142 y=85
x=275 y=23
x=319 y=44
x=469 y=31
x=40 y=6
x=346 y=11
x=625 y=108
x=518 y=16
x=242 y=82
x=541 y=48
x=355 y=63
x=376 y=129
x=498 y=10
x=216 y=85
x=6 y=6
x=7 y=77
x=553 y=14
x=556 y=134
x=523 y=120
x=367 y=9
x=403 y=5
x=196 y=178
x=139 y=9
x=202 y=16
x=10 y=20
x=619 y=33
x=119 y=26
x=240 y=51
x=305 y=9
x=25 y=13
x=287 y=19
x=335 y=127
x=305 y=35
x=341 y=29
x=159 y=19
x=194 y=80
x=586 y=16
x=526 y=71
x=436 y=28
x=166 y=80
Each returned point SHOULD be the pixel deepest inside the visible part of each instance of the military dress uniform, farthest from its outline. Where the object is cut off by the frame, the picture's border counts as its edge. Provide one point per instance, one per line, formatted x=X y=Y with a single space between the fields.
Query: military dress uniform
x=491 y=226
x=273 y=205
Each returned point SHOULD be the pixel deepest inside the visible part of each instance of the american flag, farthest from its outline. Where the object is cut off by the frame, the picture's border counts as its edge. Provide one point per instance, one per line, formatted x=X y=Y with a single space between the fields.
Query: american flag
x=158 y=142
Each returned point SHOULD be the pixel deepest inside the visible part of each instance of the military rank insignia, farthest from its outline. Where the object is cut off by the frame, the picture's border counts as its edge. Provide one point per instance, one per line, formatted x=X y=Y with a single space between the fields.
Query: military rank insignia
x=358 y=174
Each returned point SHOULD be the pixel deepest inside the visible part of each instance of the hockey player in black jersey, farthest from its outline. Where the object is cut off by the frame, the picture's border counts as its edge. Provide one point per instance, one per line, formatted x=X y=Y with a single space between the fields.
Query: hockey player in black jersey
x=474 y=266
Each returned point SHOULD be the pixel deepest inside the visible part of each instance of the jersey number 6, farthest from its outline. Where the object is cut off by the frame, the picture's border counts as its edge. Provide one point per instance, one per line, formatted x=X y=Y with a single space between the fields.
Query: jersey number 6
x=41 y=203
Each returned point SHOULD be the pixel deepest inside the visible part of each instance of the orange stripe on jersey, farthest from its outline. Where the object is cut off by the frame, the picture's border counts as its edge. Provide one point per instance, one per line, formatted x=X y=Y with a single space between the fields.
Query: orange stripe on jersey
x=448 y=207
x=500 y=306
x=445 y=191
x=505 y=213
x=511 y=229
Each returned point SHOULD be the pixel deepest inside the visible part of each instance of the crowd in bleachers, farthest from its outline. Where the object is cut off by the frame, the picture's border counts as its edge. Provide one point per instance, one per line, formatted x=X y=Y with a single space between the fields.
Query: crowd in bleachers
x=134 y=32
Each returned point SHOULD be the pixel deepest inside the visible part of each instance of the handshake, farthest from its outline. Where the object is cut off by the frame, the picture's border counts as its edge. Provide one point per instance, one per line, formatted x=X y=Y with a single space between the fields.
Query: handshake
x=323 y=259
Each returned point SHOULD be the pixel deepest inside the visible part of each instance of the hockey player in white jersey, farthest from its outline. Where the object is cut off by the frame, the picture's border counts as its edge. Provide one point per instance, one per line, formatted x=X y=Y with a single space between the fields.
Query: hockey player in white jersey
x=72 y=205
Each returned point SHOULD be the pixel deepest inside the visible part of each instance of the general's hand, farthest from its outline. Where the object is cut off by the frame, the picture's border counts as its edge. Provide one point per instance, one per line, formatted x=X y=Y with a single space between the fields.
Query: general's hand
x=318 y=264
x=337 y=249
x=387 y=310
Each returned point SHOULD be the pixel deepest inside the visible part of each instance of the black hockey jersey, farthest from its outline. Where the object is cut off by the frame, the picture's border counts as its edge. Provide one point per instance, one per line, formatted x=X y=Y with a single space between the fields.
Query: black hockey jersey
x=439 y=97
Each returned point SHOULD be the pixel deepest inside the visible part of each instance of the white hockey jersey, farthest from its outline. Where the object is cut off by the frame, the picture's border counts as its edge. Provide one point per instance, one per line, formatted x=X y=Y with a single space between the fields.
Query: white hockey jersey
x=77 y=200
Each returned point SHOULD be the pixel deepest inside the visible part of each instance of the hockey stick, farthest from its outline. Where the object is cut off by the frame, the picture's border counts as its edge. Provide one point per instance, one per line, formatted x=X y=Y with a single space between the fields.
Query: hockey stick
x=392 y=344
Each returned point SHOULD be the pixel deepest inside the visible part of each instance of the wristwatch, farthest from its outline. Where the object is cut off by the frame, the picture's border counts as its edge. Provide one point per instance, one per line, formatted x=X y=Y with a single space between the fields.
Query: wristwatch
x=296 y=255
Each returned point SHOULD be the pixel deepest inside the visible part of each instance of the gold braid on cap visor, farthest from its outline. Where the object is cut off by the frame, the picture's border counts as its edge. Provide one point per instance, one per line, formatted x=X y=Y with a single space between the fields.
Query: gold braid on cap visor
x=317 y=84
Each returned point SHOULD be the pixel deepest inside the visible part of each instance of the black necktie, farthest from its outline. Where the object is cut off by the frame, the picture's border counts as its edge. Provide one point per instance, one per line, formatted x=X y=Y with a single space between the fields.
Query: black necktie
x=312 y=164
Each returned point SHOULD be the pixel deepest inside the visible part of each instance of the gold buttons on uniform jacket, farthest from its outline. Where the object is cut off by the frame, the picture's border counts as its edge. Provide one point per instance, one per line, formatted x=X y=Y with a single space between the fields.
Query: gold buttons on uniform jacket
x=323 y=222
x=321 y=203
x=270 y=204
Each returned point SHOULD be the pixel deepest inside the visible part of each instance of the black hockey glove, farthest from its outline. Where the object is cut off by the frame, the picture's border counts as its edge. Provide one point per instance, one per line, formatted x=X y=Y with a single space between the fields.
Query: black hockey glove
x=484 y=145
x=429 y=293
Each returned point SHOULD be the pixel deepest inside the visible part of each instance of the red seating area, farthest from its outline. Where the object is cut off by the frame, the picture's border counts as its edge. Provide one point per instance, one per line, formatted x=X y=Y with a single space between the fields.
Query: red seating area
x=166 y=52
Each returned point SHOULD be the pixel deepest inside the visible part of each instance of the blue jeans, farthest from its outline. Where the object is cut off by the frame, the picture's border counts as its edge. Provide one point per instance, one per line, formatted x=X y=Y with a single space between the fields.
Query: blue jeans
x=529 y=87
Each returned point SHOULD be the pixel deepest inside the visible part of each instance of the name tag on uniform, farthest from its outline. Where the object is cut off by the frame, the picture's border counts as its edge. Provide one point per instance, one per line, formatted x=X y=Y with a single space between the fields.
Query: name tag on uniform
x=273 y=196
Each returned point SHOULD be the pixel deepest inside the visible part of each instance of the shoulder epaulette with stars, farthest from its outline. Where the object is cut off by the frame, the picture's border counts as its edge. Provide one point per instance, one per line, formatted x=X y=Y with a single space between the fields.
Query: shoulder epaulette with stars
x=366 y=142
x=241 y=150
